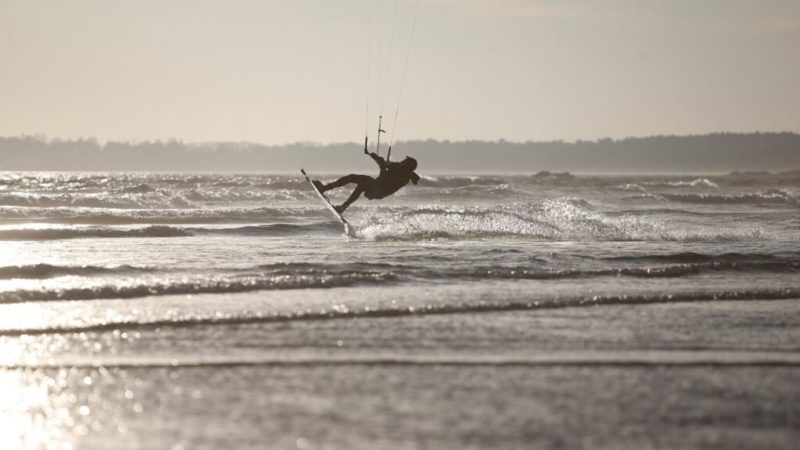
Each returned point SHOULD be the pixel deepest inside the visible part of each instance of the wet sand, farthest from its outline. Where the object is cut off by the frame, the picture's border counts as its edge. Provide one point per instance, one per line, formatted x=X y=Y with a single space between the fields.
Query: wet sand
x=673 y=375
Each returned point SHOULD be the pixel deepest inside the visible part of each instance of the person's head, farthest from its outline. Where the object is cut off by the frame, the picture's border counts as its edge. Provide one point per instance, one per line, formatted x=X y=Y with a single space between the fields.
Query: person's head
x=410 y=163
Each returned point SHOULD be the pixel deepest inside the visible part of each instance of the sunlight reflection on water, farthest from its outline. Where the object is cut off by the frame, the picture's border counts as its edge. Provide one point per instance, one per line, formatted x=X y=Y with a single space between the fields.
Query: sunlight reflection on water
x=58 y=408
x=35 y=411
x=11 y=253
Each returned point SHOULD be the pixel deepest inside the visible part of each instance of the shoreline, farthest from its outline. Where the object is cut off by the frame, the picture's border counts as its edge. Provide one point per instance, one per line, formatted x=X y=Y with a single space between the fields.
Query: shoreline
x=688 y=375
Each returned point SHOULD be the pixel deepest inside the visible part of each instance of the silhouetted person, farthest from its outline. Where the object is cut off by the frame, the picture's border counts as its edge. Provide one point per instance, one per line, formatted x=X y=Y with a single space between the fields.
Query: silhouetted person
x=393 y=176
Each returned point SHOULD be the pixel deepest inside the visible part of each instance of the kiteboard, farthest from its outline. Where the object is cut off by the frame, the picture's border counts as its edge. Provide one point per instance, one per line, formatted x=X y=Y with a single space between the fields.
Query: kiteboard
x=328 y=204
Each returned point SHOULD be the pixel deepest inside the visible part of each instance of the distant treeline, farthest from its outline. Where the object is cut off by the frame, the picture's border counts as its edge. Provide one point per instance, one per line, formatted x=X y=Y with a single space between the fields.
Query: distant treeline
x=719 y=152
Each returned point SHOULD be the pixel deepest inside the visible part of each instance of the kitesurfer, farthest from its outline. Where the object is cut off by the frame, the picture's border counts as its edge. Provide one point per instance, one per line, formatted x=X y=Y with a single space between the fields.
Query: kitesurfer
x=392 y=177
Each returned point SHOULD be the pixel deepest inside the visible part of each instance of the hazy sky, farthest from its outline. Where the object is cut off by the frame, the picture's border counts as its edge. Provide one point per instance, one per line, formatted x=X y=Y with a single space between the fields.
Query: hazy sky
x=278 y=71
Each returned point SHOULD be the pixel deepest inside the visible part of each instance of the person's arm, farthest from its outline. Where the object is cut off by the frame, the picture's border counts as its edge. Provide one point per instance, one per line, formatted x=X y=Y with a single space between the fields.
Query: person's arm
x=380 y=161
x=414 y=177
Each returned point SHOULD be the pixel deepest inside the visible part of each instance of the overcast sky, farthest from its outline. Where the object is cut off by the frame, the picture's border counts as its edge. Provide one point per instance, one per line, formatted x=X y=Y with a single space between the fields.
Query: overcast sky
x=278 y=71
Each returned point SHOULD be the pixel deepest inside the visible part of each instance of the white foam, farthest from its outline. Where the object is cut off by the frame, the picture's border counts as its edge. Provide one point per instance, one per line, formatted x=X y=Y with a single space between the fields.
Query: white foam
x=561 y=219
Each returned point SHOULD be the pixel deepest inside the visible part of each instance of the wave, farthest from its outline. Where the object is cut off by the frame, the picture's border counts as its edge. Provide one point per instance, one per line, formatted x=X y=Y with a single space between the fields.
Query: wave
x=468 y=193
x=82 y=216
x=132 y=179
x=488 y=181
x=769 y=197
x=161 y=231
x=146 y=183
x=274 y=229
x=140 y=188
x=678 y=265
x=725 y=258
x=245 y=196
x=764 y=175
x=147 y=191
x=315 y=276
x=153 y=199
x=699 y=182
x=460 y=181
x=205 y=286
x=593 y=358
x=673 y=271
x=278 y=229
x=82 y=233
x=673 y=211
x=49 y=201
x=42 y=271
x=550 y=175
x=631 y=187
x=563 y=219
x=339 y=312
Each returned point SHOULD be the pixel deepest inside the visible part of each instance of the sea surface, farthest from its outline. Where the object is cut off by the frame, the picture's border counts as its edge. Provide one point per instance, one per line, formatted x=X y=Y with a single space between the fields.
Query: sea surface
x=202 y=310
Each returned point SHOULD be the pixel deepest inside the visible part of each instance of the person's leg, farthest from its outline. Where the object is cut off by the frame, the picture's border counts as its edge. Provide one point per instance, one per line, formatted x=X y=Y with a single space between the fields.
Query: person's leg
x=347 y=179
x=362 y=182
x=353 y=197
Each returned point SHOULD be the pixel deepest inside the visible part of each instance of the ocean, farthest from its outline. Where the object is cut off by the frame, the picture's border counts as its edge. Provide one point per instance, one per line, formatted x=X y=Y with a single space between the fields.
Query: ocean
x=206 y=310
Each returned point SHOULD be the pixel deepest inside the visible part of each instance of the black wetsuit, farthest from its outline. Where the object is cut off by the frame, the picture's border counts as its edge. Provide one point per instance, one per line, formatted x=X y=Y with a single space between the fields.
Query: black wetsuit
x=393 y=176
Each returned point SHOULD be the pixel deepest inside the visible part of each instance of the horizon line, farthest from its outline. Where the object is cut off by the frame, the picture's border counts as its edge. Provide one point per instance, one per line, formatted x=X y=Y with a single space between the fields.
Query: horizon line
x=42 y=137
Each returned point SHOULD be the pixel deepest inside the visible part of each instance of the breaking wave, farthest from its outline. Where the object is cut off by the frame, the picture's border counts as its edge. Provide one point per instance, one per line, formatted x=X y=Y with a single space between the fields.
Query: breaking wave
x=699 y=182
x=460 y=181
x=564 y=219
x=770 y=197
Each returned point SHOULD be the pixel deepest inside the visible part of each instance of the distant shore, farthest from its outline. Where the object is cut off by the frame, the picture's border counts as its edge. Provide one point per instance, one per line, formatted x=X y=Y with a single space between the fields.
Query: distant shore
x=710 y=153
